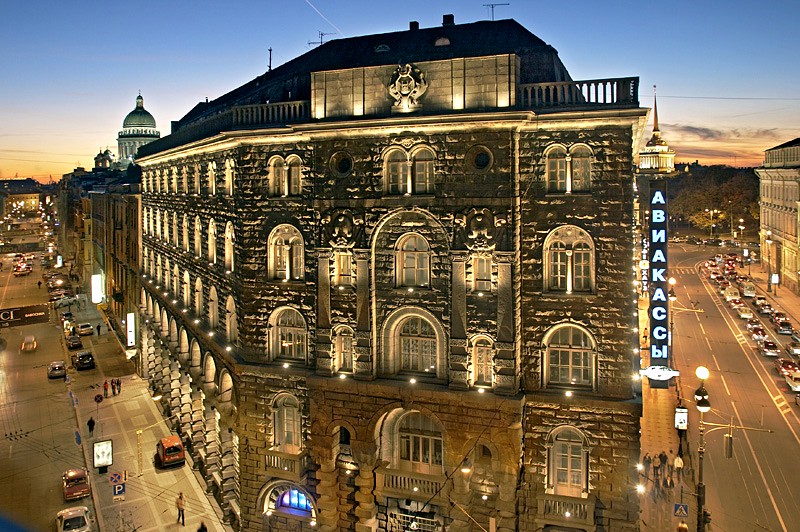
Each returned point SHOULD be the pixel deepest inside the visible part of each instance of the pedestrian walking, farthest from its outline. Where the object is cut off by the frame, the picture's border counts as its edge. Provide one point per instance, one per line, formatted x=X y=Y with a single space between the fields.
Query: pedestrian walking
x=113 y=386
x=98 y=329
x=105 y=389
x=40 y=284
x=180 y=504
x=663 y=462
x=119 y=385
x=679 y=467
x=670 y=463
x=647 y=462
x=656 y=468
x=202 y=527
x=90 y=424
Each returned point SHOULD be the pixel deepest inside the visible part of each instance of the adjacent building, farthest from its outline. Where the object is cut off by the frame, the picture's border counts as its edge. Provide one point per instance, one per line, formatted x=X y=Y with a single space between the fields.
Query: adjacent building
x=138 y=128
x=388 y=286
x=779 y=180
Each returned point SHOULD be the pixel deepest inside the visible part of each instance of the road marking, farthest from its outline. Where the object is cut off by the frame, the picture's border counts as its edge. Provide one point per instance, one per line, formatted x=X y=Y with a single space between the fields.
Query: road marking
x=760 y=471
x=727 y=390
x=716 y=363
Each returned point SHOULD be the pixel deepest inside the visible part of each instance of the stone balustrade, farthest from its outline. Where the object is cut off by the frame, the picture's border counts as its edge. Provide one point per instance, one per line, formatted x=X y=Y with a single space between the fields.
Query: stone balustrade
x=287 y=466
x=560 y=510
x=409 y=485
x=618 y=92
x=245 y=116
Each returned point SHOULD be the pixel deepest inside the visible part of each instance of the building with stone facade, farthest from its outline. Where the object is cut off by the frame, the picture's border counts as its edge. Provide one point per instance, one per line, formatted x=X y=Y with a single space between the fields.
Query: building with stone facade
x=388 y=286
x=779 y=185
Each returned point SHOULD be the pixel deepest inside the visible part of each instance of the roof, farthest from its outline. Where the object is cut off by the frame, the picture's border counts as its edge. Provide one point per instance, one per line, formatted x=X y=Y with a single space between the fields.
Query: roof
x=790 y=144
x=292 y=80
x=139 y=117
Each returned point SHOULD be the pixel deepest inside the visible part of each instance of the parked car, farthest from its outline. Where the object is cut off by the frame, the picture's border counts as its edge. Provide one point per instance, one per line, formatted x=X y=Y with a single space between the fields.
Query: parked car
x=65 y=301
x=745 y=313
x=75 y=484
x=758 y=334
x=85 y=329
x=66 y=316
x=57 y=370
x=712 y=242
x=74 y=342
x=169 y=452
x=75 y=519
x=83 y=360
x=29 y=344
x=796 y=336
x=768 y=348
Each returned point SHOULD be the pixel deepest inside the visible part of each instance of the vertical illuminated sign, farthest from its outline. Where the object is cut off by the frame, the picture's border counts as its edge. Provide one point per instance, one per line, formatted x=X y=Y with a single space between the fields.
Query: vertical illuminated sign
x=659 y=287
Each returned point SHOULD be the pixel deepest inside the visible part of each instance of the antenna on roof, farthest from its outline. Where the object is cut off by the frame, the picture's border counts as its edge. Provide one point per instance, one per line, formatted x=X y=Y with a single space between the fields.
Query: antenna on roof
x=492 y=6
x=321 y=40
x=269 y=67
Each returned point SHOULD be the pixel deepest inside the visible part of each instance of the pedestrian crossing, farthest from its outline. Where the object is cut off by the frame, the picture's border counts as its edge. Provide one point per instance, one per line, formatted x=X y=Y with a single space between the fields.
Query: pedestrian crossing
x=683 y=271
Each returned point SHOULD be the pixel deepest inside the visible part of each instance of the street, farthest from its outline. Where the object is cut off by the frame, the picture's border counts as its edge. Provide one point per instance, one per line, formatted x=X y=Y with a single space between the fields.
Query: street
x=756 y=488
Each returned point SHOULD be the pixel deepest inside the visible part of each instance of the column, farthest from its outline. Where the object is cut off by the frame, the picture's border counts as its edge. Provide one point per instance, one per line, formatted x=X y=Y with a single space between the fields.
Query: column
x=505 y=365
x=363 y=366
x=459 y=351
x=326 y=365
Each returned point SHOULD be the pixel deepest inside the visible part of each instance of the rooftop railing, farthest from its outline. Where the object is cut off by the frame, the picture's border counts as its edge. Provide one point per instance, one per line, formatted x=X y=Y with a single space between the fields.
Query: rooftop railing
x=620 y=92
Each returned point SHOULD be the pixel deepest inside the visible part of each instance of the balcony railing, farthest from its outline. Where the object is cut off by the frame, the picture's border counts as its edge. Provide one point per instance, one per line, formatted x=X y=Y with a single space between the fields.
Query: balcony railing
x=618 y=92
x=245 y=116
x=560 y=510
x=409 y=485
x=287 y=466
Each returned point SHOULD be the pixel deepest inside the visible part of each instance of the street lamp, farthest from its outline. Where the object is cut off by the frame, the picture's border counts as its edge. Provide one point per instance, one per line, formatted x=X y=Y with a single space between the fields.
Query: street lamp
x=741 y=229
x=711 y=213
x=703 y=406
x=768 y=241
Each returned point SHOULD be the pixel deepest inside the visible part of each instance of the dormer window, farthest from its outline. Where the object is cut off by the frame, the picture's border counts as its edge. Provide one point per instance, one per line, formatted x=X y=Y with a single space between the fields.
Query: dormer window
x=442 y=41
x=381 y=48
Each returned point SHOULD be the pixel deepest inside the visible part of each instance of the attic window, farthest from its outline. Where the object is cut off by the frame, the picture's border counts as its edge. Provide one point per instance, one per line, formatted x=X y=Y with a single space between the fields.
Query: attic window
x=382 y=48
x=442 y=41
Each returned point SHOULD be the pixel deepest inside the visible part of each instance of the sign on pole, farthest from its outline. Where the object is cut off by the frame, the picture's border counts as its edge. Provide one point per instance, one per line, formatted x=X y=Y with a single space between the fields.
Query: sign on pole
x=118 y=492
x=681 y=510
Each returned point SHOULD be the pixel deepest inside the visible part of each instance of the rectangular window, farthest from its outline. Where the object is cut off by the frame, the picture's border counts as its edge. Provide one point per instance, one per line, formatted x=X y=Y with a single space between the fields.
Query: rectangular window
x=482 y=274
x=343 y=269
x=557 y=174
x=397 y=176
x=423 y=177
x=582 y=271
x=558 y=270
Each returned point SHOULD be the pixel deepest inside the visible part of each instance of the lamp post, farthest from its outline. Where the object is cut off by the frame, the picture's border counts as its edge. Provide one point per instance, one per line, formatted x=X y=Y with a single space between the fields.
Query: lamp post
x=768 y=241
x=711 y=213
x=703 y=406
x=741 y=229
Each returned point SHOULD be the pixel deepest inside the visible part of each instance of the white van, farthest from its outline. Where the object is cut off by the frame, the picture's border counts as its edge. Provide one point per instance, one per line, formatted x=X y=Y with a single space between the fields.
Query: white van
x=731 y=293
x=748 y=289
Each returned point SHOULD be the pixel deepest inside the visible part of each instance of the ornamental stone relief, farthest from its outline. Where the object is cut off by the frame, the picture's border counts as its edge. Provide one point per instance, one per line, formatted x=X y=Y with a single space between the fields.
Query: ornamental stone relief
x=342 y=229
x=406 y=87
x=481 y=229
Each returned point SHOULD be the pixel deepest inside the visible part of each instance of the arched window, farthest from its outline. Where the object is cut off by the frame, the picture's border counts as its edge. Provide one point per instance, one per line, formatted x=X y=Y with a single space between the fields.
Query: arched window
x=187 y=290
x=185 y=179
x=198 y=297
x=569 y=260
x=289 y=335
x=567 y=462
x=417 y=346
x=293 y=177
x=174 y=181
x=286 y=255
x=213 y=308
x=165 y=234
x=276 y=176
x=344 y=348
x=158 y=223
x=185 y=226
x=175 y=226
x=212 y=178
x=422 y=171
x=406 y=175
x=167 y=274
x=581 y=168
x=230 y=174
x=412 y=263
x=290 y=499
x=570 y=355
x=482 y=362
x=176 y=280
x=229 y=238
x=196 y=178
x=231 y=321
x=420 y=445
x=212 y=242
x=397 y=173
x=198 y=233
x=286 y=434
x=571 y=171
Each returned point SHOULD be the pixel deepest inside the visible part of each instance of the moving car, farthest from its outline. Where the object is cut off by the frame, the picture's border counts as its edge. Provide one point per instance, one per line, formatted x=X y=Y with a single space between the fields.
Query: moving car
x=169 y=452
x=752 y=323
x=736 y=303
x=793 y=380
x=793 y=348
x=75 y=519
x=768 y=348
x=784 y=327
x=759 y=300
x=786 y=366
x=745 y=313
x=57 y=370
x=74 y=342
x=29 y=344
x=85 y=329
x=75 y=484
x=758 y=334
x=83 y=360
x=766 y=308
x=778 y=317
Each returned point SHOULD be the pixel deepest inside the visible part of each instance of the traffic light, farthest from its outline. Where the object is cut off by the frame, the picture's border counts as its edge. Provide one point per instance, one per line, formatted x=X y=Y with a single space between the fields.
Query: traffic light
x=706 y=517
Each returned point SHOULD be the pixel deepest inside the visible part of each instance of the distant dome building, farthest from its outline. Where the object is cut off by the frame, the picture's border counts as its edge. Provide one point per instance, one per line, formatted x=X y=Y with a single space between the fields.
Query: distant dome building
x=138 y=129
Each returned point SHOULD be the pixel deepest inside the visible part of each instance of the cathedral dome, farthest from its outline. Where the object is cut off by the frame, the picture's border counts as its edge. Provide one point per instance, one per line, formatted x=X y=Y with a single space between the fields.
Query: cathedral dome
x=139 y=117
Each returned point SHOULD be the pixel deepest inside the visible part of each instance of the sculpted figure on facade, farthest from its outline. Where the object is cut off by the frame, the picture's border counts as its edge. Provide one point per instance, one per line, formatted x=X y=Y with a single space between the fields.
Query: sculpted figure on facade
x=342 y=229
x=407 y=85
x=480 y=229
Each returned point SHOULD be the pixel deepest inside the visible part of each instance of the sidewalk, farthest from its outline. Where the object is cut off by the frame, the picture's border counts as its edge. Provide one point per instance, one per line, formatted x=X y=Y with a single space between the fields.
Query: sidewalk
x=780 y=298
x=133 y=421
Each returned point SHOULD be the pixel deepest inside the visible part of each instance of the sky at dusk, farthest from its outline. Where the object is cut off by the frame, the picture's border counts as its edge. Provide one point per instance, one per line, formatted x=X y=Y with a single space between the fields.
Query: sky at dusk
x=727 y=72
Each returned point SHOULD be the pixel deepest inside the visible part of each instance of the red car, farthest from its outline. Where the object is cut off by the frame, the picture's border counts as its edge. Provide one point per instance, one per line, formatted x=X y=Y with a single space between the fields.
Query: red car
x=786 y=367
x=76 y=484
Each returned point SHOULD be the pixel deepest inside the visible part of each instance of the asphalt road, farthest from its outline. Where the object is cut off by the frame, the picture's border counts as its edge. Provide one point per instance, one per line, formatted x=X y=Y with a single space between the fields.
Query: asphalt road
x=757 y=489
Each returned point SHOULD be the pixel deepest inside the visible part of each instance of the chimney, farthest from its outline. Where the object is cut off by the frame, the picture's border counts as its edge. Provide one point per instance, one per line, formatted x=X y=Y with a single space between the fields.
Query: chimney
x=448 y=20
x=413 y=25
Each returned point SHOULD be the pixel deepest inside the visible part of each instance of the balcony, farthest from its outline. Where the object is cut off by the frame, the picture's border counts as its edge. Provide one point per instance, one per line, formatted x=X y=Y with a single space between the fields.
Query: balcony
x=593 y=93
x=560 y=510
x=288 y=466
x=270 y=114
x=410 y=485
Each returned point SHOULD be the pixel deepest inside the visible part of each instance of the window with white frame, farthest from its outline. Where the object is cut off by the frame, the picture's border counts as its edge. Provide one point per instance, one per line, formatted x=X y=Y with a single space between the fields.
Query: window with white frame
x=286 y=434
x=569 y=170
x=230 y=173
x=229 y=238
x=571 y=353
x=482 y=362
x=567 y=462
x=212 y=242
x=344 y=348
x=342 y=268
x=482 y=272
x=289 y=338
x=198 y=233
x=405 y=174
x=286 y=254
x=412 y=262
x=420 y=444
x=417 y=346
x=276 y=176
x=185 y=224
x=569 y=260
x=212 y=178
x=293 y=176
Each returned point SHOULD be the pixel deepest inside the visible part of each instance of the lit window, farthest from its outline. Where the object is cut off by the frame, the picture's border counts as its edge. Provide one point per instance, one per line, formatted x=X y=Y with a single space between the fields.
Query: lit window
x=212 y=178
x=343 y=345
x=212 y=242
x=286 y=424
x=230 y=174
x=290 y=335
x=413 y=261
x=569 y=260
x=343 y=268
x=420 y=444
x=422 y=174
x=417 y=340
x=482 y=354
x=568 y=463
x=482 y=273
x=404 y=175
x=397 y=173
x=286 y=255
x=570 y=357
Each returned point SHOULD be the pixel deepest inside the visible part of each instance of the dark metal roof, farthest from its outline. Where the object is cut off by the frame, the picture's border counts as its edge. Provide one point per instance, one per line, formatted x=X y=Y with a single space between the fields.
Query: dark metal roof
x=790 y=144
